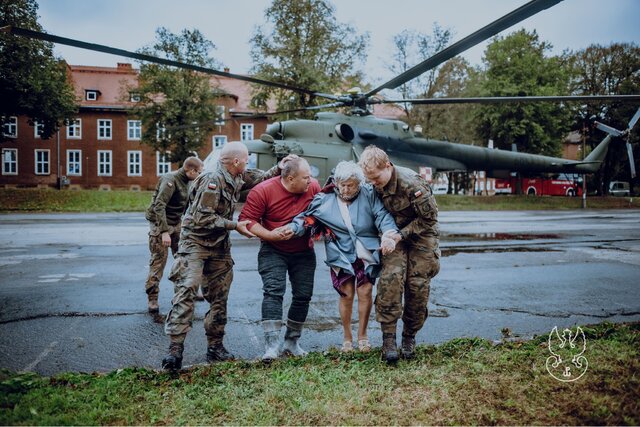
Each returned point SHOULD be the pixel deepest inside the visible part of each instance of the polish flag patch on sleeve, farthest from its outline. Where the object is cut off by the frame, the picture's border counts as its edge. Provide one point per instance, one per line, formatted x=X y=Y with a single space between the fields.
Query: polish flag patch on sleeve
x=212 y=186
x=418 y=193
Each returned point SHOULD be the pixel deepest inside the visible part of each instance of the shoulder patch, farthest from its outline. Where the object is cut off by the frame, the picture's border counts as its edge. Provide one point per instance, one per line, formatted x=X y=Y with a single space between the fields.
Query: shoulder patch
x=212 y=186
x=170 y=184
x=418 y=193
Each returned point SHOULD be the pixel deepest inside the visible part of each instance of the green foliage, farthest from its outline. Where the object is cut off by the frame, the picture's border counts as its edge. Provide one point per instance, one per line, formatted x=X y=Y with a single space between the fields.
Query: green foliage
x=609 y=70
x=32 y=81
x=303 y=45
x=172 y=100
x=516 y=65
x=451 y=122
x=464 y=381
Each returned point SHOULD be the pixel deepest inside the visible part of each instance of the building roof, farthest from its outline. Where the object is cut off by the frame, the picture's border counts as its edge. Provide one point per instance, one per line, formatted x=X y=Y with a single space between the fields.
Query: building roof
x=111 y=84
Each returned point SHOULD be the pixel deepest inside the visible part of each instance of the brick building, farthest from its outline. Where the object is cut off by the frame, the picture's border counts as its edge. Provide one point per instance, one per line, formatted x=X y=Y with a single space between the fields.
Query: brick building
x=101 y=148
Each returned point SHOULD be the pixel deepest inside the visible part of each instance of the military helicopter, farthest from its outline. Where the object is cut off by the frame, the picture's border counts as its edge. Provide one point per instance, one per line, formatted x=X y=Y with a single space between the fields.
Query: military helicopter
x=333 y=137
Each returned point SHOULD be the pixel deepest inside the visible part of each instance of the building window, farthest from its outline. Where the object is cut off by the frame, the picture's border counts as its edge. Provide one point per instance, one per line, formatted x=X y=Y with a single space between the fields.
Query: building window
x=219 y=141
x=91 y=95
x=10 y=127
x=9 y=161
x=219 y=115
x=74 y=129
x=163 y=164
x=42 y=162
x=104 y=128
x=104 y=162
x=246 y=131
x=38 y=128
x=134 y=130
x=161 y=132
x=134 y=163
x=74 y=162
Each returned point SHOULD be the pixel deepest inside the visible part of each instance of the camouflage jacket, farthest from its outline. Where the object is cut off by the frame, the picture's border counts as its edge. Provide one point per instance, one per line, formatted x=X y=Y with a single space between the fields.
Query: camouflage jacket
x=212 y=198
x=169 y=200
x=408 y=197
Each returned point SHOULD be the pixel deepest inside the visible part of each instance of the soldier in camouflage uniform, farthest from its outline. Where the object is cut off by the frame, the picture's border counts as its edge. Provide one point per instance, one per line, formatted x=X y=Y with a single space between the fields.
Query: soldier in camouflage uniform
x=416 y=260
x=204 y=254
x=164 y=215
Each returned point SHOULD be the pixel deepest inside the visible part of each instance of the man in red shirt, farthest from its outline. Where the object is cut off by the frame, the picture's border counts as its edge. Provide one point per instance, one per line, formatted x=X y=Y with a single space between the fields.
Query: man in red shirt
x=271 y=205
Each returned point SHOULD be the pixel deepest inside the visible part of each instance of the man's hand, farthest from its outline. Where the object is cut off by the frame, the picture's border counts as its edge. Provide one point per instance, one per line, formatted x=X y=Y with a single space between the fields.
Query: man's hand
x=241 y=228
x=286 y=159
x=281 y=233
x=166 y=239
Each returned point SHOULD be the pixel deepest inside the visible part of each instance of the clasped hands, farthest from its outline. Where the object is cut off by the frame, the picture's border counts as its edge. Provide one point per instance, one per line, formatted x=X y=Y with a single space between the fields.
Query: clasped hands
x=388 y=242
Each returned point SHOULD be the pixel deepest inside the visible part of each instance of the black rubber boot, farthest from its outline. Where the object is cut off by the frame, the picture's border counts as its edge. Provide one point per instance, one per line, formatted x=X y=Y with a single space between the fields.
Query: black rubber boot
x=173 y=361
x=408 y=347
x=389 y=349
x=217 y=353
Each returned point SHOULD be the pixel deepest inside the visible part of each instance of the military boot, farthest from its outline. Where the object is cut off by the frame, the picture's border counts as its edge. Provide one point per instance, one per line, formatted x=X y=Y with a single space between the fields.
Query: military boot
x=408 y=347
x=153 y=304
x=217 y=353
x=389 y=349
x=271 y=339
x=291 y=337
x=173 y=361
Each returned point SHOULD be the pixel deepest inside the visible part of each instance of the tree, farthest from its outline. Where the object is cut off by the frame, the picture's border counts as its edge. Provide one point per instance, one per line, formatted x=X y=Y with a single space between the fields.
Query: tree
x=33 y=82
x=609 y=70
x=451 y=122
x=411 y=48
x=516 y=65
x=172 y=100
x=304 y=46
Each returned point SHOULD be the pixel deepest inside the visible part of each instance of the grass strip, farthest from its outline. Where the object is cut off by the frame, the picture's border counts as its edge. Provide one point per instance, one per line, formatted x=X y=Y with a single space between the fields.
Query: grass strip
x=48 y=200
x=463 y=381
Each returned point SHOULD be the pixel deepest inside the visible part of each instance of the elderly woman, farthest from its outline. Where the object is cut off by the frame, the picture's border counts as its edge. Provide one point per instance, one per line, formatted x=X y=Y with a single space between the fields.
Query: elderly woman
x=353 y=219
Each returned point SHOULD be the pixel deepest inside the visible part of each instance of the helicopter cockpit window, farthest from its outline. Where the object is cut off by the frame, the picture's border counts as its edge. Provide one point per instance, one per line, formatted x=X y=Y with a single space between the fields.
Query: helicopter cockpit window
x=345 y=132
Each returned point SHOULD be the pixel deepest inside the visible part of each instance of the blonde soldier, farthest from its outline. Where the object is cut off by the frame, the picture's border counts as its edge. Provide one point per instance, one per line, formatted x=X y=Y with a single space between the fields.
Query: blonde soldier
x=204 y=254
x=164 y=214
x=416 y=259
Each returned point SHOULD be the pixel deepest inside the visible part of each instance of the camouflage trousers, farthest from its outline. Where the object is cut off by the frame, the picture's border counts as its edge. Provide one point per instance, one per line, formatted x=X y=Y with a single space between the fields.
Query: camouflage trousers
x=212 y=271
x=407 y=270
x=159 y=254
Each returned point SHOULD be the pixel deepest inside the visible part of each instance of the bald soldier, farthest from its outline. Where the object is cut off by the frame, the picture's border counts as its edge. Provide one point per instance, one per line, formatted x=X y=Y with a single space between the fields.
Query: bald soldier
x=416 y=259
x=164 y=215
x=204 y=253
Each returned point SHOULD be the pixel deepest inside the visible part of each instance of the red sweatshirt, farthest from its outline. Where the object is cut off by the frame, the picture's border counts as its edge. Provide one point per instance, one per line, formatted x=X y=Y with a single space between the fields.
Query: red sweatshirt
x=271 y=205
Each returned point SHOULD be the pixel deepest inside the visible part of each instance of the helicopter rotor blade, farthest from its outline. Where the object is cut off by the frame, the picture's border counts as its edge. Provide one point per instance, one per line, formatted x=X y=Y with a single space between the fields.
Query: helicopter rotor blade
x=634 y=120
x=150 y=58
x=632 y=163
x=509 y=99
x=512 y=18
x=608 y=129
x=294 y=110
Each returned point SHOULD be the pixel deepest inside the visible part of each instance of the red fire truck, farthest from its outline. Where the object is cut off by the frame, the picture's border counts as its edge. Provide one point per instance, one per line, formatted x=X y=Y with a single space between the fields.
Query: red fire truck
x=560 y=186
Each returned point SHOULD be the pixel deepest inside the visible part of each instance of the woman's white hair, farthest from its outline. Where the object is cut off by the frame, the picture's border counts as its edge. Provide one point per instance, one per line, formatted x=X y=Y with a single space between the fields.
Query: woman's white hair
x=347 y=170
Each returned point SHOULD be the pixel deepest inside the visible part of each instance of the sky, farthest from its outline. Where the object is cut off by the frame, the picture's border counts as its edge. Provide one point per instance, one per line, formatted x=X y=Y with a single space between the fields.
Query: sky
x=229 y=24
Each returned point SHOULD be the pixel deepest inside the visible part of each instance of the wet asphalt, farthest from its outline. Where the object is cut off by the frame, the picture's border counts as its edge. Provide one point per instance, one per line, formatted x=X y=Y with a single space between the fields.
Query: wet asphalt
x=72 y=286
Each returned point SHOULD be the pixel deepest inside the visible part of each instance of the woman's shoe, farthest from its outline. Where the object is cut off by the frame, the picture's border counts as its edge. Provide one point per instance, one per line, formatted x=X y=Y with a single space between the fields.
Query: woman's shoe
x=347 y=347
x=363 y=345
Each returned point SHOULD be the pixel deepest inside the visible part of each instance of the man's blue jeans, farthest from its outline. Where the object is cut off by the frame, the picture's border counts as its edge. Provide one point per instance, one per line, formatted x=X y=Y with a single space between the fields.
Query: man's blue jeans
x=273 y=266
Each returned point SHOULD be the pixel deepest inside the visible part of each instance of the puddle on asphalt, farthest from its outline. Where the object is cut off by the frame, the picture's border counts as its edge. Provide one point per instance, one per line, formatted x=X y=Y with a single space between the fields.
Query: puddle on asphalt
x=480 y=250
x=499 y=236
